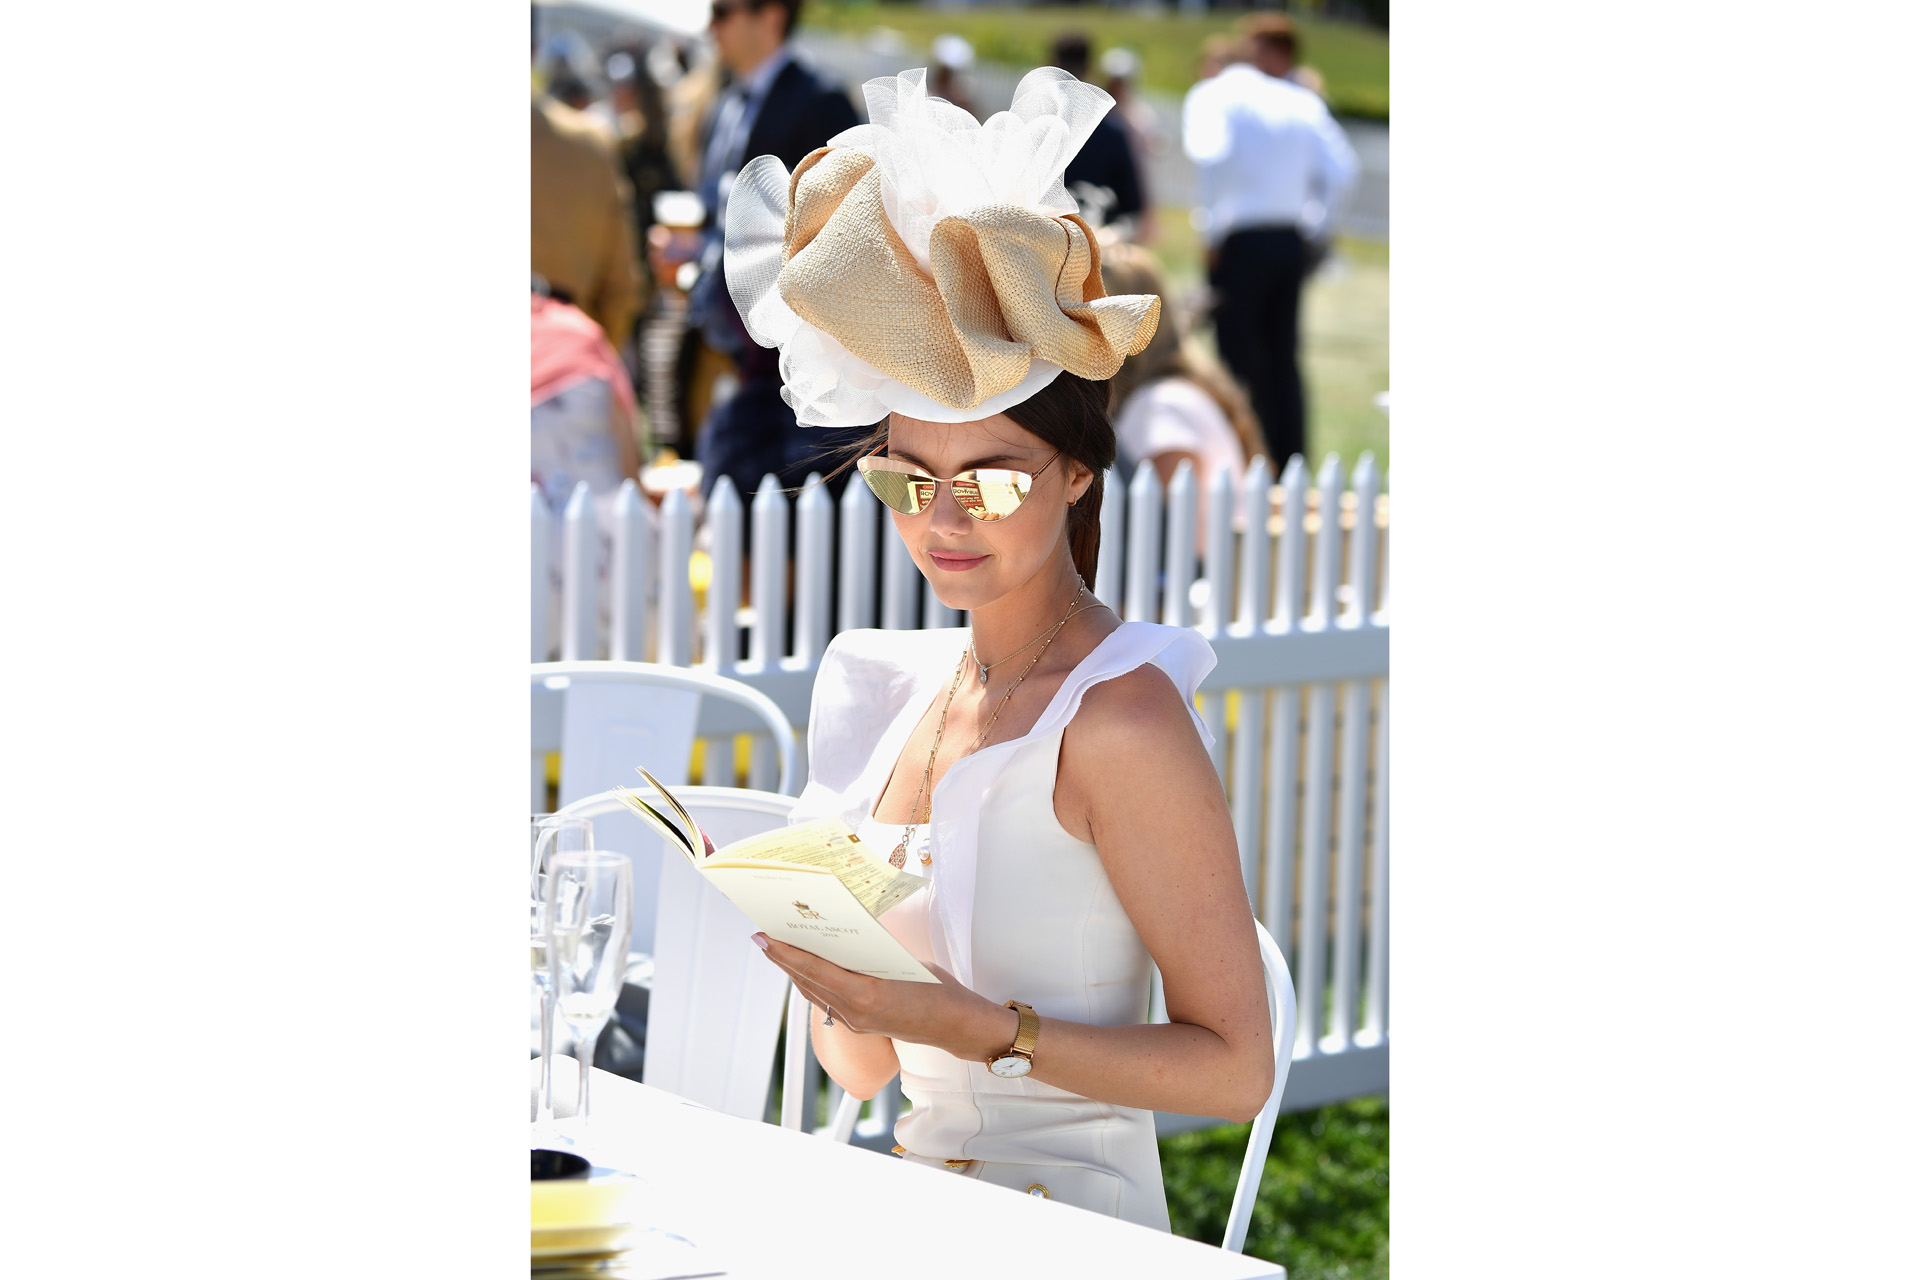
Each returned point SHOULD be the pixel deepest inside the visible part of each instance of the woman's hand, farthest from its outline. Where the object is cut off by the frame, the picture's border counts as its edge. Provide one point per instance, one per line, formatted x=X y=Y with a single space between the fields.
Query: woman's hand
x=948 y=1016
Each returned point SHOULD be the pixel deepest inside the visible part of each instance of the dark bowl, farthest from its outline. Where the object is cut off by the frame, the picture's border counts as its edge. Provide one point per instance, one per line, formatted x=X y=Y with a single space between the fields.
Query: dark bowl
x=548 y=1165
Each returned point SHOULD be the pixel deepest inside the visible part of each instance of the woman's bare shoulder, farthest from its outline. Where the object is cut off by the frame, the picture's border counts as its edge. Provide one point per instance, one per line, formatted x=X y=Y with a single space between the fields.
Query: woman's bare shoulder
x=1138 y=711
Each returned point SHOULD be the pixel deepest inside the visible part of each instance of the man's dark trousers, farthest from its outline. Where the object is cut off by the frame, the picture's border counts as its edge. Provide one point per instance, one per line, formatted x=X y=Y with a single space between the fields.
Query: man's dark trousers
x=1256 y=283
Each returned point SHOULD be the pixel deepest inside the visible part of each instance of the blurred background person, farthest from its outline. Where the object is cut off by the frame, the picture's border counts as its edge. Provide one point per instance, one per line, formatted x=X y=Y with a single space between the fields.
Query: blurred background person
x=566 y=87
x=586 y=425
x=772 y=104
x=1170 y=403
x=1217 y=53
x=1103 y=175
x=583 y=236
x=1145 y=136
x=1272 y=168
x=952 y=59
x=586 y=428
x=639 y=111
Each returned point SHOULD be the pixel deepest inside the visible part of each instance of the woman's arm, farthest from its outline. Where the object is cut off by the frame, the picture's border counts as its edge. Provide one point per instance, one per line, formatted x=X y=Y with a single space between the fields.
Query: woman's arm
x=857 y=1062
x=1135 y=779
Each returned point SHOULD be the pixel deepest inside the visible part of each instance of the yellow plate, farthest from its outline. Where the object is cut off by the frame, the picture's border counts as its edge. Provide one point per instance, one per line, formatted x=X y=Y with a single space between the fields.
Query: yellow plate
x=582 y=1202
x=568 y=1242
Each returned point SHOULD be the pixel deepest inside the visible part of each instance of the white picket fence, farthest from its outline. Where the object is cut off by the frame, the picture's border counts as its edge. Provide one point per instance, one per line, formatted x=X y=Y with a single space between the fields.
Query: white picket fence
x=1294 y=605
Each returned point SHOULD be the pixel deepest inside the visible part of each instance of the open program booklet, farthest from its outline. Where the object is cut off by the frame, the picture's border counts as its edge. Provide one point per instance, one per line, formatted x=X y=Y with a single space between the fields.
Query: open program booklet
x=812 y=886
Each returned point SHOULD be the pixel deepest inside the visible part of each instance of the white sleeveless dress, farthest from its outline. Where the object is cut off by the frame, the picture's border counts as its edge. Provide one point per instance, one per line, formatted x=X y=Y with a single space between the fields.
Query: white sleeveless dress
x=1018 y=910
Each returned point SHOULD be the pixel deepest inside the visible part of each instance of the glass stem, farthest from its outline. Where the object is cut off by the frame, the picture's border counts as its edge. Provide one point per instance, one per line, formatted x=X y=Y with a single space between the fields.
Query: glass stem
x=545 y=1113
x=583 y=1051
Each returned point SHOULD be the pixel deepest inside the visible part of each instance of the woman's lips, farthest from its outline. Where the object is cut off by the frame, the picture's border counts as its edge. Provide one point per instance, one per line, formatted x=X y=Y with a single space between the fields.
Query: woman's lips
x=955 y=563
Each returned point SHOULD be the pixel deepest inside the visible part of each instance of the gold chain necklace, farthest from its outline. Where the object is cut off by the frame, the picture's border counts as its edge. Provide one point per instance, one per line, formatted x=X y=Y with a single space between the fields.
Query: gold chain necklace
x=899 y=856
x=988 y=666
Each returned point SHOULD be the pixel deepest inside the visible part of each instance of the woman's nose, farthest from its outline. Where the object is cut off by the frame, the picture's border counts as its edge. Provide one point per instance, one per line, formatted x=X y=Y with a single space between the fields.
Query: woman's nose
x=948 y=518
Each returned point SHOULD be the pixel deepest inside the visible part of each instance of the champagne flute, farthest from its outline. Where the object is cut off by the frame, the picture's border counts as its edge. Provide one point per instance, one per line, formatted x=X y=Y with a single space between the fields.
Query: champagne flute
x=552 y=834
x=589 y=923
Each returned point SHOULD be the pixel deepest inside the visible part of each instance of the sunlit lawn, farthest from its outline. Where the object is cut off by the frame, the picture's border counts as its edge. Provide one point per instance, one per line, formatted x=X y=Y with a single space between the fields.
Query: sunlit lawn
x=1351 y=58
x=1343 y=337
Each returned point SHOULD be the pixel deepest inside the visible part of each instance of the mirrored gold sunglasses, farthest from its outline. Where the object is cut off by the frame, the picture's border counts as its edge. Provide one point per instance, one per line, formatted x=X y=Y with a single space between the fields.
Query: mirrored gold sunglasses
x=985 y=493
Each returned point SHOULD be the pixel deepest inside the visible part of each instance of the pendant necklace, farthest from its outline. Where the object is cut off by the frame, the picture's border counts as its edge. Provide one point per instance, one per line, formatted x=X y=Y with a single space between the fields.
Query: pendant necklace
x=984 y=667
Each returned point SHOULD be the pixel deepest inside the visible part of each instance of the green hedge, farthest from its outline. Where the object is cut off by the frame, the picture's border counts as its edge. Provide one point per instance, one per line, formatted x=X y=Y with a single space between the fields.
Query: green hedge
x=1322 y=1208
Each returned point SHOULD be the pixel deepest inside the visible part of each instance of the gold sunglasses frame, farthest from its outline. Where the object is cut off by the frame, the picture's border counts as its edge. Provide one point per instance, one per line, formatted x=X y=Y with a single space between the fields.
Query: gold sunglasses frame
x=970 y=476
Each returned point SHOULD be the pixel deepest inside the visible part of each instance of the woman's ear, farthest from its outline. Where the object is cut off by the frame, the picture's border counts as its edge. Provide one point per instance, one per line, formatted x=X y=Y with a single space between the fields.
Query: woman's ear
x=1079 y=477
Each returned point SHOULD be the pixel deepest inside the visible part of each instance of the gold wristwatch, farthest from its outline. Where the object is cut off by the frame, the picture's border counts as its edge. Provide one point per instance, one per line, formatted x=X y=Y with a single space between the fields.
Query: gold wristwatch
x=1018 y=1060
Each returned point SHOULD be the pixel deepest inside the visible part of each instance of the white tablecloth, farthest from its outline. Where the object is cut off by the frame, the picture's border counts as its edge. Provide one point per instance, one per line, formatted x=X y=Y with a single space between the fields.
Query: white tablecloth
x=770 y=1203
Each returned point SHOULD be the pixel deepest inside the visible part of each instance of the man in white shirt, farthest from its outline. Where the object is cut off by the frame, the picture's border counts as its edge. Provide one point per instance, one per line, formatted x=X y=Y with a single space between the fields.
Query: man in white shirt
x=1273 y=167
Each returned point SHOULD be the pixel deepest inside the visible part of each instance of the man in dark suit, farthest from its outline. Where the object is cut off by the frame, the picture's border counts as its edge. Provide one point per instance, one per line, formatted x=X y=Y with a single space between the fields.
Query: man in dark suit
x=1105 y=163
x=773 y=105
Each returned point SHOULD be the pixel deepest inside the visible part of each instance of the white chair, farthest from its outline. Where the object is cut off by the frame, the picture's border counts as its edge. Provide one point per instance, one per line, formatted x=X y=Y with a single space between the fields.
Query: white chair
x=713 y=1017
x=794 y=1086
x=1280 y=1004
x=606 y=717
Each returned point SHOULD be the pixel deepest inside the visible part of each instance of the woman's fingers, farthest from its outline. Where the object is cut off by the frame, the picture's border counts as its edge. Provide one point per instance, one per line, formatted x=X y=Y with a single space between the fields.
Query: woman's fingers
x=841 y=987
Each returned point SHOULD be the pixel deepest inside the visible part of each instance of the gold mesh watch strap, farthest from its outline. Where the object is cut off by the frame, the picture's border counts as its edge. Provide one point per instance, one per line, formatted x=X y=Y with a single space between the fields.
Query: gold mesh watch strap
x=1029 y=1033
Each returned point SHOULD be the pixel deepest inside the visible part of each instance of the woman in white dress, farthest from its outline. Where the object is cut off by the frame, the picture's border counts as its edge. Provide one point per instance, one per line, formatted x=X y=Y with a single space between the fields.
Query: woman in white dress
x=1044 y=767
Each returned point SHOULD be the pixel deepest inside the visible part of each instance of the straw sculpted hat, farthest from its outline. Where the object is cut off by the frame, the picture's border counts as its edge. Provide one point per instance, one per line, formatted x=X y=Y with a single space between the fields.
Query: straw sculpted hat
x=930 y=264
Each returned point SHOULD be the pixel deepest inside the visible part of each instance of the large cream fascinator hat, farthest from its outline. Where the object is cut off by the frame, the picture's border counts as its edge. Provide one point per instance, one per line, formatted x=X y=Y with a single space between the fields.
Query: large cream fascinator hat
x=927 y=263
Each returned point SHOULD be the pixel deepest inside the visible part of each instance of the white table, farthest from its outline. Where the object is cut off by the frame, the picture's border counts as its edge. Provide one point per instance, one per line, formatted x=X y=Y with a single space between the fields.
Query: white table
x=771 y=1203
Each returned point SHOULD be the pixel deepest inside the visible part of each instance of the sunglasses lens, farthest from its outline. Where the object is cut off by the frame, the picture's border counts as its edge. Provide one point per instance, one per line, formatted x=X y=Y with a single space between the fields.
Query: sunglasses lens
x=905 y=492
x=992 y=494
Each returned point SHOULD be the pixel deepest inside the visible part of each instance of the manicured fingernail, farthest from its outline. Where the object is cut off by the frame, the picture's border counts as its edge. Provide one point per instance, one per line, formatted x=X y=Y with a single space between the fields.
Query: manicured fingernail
x=760 y=941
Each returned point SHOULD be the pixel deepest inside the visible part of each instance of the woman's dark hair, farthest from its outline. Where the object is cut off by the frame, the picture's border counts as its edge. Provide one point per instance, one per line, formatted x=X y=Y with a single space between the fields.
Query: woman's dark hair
x=1071 y=415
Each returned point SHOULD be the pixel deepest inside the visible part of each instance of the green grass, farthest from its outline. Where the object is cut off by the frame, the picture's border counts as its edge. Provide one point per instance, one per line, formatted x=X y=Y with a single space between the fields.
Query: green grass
x=1343 y=338
x=1351 y=58
x=1322 y=1207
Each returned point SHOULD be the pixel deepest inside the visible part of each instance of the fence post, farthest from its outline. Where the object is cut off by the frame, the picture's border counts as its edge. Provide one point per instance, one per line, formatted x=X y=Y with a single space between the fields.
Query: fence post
x=1143 y=546
x=1256 y=566
x=1216 y=615
x=1182 y=525
x=1113 y=514
x=812 y=610
x=767 y=643
x=1289 y=609
x=631 y=576
x=1385 y=532
x=723 y=586
x=674 y=643
x=858 y=527
x=898 y=586
x=1327 y=544
x=580 y=592
x=542 y=557
x=1376 y=1024
x=1361 y=552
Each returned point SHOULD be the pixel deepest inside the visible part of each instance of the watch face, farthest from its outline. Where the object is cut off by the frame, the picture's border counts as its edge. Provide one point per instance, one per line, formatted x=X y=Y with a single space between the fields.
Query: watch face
x=1011 y=1067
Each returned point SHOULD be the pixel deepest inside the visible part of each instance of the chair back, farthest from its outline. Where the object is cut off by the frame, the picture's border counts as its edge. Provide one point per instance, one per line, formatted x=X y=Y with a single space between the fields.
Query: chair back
x=713 y=1016
x=1285 y=1014
x=606 y=717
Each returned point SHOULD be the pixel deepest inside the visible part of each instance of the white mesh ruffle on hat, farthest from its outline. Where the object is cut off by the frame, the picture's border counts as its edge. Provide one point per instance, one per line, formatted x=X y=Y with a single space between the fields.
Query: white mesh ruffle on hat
x=935 y=162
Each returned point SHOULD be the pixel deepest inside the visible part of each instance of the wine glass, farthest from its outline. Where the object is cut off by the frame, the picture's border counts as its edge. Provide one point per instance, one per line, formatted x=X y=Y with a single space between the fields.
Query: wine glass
x=551 y=834
x=589 y=923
